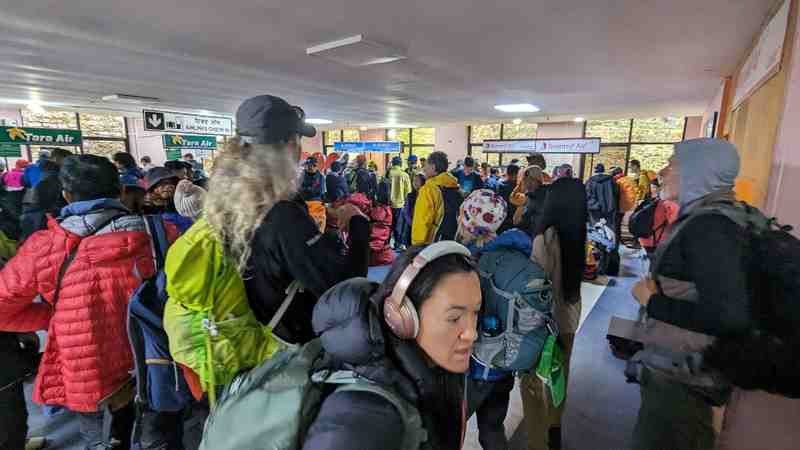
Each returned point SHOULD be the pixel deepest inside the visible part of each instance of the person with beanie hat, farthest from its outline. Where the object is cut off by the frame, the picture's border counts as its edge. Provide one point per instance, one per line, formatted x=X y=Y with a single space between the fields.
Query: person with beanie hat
x=189 y=199
x=13 y=178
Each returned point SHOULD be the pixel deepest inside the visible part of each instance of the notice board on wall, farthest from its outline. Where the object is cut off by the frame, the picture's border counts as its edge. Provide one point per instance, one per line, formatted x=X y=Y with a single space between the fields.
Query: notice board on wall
x=765 y=60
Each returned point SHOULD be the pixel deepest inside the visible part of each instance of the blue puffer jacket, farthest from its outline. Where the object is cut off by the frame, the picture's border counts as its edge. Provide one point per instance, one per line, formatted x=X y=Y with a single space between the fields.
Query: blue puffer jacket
x=352 y=333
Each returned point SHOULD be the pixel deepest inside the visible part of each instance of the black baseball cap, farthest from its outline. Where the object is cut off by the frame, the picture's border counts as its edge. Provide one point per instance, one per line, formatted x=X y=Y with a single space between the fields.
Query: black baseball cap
x=267 y=119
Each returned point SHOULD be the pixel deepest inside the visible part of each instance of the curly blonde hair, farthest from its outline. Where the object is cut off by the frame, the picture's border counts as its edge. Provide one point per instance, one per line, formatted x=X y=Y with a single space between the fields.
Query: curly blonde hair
x=246 y=182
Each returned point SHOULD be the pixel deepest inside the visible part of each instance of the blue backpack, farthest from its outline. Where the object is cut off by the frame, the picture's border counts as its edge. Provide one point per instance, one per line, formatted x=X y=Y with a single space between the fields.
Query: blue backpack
x=516 y=316
x=160 y=385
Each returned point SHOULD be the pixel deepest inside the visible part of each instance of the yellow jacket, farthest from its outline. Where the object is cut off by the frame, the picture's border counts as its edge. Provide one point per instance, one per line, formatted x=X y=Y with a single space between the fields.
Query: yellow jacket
x=628 y=193
x=400 y=186
x=643 y=187
x=429 y=209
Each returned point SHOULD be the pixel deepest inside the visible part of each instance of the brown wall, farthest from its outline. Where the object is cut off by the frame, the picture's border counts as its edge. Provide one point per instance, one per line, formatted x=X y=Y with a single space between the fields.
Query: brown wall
x=753 y=126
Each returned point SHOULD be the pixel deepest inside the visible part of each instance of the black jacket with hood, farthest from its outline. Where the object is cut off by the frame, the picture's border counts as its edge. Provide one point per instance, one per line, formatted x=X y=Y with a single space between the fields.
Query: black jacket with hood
x=288 y=246
x=602 y=194
x=355 y=338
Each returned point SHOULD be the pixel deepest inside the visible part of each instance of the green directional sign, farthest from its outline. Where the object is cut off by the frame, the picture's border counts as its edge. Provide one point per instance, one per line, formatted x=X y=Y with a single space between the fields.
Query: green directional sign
x=189 y=141
x=173 y=154
x=39 y=136
x=10 y=151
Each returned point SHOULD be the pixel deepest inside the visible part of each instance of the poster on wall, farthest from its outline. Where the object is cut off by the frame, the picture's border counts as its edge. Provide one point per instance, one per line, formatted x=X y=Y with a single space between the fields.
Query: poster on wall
x=765 y=59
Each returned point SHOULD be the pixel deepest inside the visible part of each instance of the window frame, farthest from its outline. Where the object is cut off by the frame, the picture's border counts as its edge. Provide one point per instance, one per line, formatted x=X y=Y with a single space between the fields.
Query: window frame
x=84 y=138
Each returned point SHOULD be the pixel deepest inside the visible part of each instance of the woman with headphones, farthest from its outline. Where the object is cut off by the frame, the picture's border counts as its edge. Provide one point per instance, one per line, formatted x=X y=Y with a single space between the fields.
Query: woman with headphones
x=411 y=336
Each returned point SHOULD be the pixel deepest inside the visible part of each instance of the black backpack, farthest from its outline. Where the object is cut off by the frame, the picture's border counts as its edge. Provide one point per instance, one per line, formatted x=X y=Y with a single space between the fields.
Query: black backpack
x=384 y=188
x=767 y=356
x=365 y=183
x=642 y=221
x=452 y=203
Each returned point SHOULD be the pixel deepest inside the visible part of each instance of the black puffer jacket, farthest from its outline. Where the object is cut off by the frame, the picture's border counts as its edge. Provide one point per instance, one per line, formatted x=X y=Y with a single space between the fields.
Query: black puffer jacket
x=602 y=194
x=355 y=338
x=288 y=246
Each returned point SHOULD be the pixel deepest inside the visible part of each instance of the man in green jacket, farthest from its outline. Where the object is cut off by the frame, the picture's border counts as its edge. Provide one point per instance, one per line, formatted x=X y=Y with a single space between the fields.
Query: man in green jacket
x=399 y=188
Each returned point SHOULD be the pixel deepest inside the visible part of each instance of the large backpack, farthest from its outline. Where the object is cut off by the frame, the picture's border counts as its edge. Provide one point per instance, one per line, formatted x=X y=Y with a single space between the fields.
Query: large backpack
x=518 y=297
x=160 y=385
x=452 y=198
x=766 y=357
x=273 y=406
x=642 y=221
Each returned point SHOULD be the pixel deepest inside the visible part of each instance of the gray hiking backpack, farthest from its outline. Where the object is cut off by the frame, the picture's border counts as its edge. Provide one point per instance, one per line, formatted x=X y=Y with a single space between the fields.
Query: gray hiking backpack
x=272 y=406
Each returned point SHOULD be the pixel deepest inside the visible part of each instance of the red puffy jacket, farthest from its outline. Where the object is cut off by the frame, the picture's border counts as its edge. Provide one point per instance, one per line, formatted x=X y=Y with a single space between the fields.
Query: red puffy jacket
x=87 y=356
x=380 y=217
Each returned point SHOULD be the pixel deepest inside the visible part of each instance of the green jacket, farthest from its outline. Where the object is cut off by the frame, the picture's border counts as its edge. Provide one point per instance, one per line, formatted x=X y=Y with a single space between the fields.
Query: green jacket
x=400 y=184
x=207 y=317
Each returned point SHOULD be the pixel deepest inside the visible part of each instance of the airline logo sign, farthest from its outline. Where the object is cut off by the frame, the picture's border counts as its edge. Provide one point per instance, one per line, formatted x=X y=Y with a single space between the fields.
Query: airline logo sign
x=187 y=141
x=38 y=136
x=559 y=146
x=187 y=123
x=369 y=146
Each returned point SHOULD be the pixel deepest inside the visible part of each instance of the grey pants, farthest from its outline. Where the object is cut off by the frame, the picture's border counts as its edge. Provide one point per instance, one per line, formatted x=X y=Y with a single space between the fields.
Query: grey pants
x=671 y=417
x=489 y=400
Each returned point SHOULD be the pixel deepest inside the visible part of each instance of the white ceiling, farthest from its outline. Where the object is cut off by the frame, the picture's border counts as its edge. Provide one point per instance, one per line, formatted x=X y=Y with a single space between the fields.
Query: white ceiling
x=570 y=57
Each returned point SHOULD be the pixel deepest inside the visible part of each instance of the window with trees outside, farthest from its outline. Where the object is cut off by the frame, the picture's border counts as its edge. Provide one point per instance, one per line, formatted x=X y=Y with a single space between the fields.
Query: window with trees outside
x=479 y=133
x=651 y=141
x=103 y=133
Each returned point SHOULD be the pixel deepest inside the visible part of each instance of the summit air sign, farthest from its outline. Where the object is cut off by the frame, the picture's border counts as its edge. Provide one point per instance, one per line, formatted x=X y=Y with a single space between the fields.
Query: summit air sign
x=39 y=136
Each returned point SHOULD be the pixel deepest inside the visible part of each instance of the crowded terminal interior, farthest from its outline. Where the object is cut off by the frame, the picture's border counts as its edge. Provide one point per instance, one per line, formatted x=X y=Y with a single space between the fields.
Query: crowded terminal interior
x=388 y=225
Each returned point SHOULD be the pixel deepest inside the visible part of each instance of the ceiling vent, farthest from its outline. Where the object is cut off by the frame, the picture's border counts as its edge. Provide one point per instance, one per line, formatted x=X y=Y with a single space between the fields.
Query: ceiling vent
x=134 y=99
x=355 y=51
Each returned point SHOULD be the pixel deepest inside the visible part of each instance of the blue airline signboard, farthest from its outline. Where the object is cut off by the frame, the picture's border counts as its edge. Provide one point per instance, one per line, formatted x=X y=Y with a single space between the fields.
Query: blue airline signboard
x=369 y=146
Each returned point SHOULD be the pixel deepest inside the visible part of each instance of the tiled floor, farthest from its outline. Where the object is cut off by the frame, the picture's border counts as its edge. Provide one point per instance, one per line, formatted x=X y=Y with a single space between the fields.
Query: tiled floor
x=601 y=407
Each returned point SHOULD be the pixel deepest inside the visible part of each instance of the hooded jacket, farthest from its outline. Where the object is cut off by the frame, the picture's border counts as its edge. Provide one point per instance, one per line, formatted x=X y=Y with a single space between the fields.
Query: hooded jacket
x=429 y=209
x=602 y=194
x=354 y=337
x=87 y=356
x=380 y=217
x=335 y=187
x=701 y=268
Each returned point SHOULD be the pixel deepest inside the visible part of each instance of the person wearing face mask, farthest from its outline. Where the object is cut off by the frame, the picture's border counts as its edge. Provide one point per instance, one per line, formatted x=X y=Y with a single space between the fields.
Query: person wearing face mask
x=419 y=351
x=696 y=292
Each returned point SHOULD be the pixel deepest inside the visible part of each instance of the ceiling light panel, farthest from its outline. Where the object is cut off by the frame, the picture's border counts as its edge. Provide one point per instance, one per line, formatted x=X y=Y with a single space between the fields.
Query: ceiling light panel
x=518 y=108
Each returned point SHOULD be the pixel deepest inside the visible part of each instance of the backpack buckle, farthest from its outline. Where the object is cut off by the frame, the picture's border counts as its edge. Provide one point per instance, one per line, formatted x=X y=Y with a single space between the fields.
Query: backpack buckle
x=211 y=327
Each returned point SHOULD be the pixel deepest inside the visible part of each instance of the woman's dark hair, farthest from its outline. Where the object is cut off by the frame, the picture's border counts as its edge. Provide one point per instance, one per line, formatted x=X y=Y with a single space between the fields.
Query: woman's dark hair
x=439 y=161
x=124 y=159
x=537 y=159
x=426 y=280
x=512 y=170
x=89 y=177
x=441 y=392
x=565 y=209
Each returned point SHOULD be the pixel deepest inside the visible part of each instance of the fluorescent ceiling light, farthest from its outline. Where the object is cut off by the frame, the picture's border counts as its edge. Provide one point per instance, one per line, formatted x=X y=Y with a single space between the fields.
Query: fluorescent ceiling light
x=356 y=51
x=580 y=119
x=392 y=134
x=517 y=108
x=517 y=121
x=132 y=99
x=319 y=121
x=363 y=128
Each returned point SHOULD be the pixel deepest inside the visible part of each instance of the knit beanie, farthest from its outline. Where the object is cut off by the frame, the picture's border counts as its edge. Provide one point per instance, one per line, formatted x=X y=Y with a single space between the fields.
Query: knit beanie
x=189 y=199
x=481 y=215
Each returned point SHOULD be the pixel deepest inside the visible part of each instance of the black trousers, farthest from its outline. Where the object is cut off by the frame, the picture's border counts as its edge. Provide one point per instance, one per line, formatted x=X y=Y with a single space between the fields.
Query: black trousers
x=13 y=418
x=397 y=227
x=489 y=400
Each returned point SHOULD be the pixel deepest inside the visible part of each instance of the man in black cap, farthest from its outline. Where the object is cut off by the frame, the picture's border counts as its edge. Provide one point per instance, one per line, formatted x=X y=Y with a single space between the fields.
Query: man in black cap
x=272 y=238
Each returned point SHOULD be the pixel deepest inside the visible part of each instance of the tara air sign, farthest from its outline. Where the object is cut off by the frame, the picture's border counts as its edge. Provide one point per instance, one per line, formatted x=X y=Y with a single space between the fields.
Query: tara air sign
x=186 y=141
x=39 y=136
x=174 y=122
x=564 y=146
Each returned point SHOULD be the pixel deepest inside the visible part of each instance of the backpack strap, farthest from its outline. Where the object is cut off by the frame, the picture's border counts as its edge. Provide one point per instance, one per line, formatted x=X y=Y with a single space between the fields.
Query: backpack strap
x=415 y=434
x=74 y=252
x=291 y=293
x=154 y=225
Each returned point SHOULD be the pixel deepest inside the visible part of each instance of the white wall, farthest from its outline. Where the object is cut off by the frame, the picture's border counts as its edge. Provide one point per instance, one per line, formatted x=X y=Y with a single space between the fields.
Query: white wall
x=452 y=139
x=145 y=142
x=560 y=130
